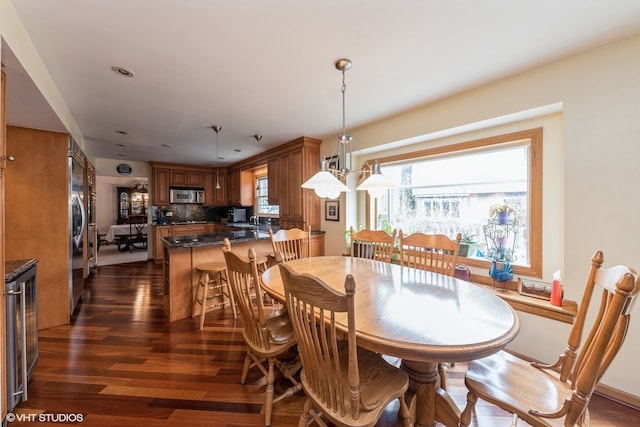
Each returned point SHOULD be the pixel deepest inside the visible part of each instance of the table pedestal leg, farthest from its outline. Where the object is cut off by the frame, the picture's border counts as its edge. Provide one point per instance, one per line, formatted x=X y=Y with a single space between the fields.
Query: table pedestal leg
x=427 y=400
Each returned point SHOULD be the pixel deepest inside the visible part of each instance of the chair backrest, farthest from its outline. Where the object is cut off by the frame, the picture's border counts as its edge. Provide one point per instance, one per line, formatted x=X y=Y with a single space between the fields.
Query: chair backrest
x=292 y=243
x=313 y=307
x=431 y=252
x=607 y=280
x=372 y=244
x=244 y=281
x=620 y=287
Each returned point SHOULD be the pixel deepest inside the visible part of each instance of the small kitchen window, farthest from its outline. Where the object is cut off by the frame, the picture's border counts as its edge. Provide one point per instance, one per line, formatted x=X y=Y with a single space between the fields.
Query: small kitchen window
x=262 y=202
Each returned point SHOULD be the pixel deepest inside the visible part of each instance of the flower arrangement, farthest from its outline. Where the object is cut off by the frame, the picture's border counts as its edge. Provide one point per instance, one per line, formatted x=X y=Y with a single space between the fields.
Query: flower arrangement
x=496 y=210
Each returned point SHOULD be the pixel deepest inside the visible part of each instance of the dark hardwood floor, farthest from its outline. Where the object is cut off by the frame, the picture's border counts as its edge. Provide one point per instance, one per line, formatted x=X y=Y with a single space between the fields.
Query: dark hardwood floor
x=120 y=363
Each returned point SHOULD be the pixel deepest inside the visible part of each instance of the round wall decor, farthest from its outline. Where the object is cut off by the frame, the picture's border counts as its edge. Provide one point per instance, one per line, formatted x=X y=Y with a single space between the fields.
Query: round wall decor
x=124 y=169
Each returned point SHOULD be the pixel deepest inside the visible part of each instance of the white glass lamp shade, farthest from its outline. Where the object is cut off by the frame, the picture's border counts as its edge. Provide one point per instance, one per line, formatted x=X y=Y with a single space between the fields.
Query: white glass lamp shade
x=376 y=184
x=325 y=185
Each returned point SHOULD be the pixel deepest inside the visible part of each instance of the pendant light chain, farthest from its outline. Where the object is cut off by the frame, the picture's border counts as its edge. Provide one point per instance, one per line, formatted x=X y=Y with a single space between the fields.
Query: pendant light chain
x=343 y=89
x=217 y=129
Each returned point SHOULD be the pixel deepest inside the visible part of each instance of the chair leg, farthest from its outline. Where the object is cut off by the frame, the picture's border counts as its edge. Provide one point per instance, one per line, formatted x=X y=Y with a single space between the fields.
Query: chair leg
x=231 y=299
x=404 y=414
x=268 y=404
x=514 y=423
x=443 y=370
x=305 y=417
x=245 y=368
x=204 y=284
x=465 y=417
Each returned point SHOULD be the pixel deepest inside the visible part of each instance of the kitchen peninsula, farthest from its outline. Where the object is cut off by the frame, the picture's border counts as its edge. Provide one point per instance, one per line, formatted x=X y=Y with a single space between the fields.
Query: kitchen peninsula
x=183 y=253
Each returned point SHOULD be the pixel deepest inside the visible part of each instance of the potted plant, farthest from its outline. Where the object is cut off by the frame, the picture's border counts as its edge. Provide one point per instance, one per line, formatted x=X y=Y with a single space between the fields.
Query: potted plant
x=502 y=213
x=467 y=244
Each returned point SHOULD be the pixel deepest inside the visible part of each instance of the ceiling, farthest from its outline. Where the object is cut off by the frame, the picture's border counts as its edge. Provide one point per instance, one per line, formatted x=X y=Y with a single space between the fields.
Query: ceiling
x=267 y=67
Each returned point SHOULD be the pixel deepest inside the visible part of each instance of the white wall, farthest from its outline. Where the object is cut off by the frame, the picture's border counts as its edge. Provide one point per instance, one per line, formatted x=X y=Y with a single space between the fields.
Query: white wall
x=590 y=202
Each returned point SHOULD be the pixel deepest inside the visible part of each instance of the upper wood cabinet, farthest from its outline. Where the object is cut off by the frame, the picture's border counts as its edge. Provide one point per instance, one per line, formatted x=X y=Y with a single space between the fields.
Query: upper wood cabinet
x=187 y=178
x=240 y=188
x=160 y=186
x=273 y=176
x=213 y=196
x=299 y=207
x=167 y=175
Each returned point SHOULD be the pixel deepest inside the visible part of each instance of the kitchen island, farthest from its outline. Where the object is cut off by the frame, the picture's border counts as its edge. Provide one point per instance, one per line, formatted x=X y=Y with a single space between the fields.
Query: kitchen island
x=183 y=253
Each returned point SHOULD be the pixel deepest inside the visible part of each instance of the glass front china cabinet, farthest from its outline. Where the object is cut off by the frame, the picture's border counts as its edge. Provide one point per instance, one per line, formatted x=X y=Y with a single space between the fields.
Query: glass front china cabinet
x=132 y=202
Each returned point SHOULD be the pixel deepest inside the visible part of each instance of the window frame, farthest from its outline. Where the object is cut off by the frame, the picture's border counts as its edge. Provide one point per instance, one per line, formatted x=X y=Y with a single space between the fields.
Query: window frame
x=256 y=209
x=535 y=142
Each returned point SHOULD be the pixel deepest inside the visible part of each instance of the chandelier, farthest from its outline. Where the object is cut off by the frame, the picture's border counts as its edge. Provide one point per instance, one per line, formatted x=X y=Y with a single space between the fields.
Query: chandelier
x=327 y=183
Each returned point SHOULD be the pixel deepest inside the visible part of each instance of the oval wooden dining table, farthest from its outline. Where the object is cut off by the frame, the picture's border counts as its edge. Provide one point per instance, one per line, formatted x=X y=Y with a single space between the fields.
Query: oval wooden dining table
x=418 y=316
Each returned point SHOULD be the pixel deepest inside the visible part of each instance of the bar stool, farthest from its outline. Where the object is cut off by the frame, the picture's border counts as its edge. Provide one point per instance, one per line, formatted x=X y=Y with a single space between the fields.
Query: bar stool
x=212 y=284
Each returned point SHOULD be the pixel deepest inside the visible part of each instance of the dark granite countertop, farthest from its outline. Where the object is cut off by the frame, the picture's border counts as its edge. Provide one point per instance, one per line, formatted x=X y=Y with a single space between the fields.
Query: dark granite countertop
x=14 y=268
x=201 y=240
x=249 y=226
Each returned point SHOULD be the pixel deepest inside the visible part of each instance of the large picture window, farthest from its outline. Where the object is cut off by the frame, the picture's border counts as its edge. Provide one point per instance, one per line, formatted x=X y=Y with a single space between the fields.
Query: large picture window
x=461 y=188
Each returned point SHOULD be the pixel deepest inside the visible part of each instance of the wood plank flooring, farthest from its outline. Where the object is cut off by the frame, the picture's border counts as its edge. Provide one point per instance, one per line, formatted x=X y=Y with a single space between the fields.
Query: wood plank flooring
x=120 y=363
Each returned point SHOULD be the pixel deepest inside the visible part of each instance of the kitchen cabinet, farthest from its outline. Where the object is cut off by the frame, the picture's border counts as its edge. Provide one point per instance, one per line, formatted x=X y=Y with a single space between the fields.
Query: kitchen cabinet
x=316 y=245
x=159 y=231
x=160 y=186
x=213 y=196
x=37 y=215
x=3 y=159
x=188 y=230
x=187 y=178
x=299 y=208
x=273 y=176
x=240 y=188
x=167 y=175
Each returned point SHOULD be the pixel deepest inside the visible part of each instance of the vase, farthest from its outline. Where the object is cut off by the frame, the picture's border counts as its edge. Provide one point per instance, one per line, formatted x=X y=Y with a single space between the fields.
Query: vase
x=503 y=217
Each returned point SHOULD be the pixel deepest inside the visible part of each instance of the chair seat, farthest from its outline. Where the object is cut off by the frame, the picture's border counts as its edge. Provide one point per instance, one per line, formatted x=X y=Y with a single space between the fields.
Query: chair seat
x=211 y=267
x=380 y=384
x=558 y=394
x=518 y=386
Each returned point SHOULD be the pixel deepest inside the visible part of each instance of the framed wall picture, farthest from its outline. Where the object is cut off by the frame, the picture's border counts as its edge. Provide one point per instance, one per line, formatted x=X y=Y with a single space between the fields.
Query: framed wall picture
x=333 y=162
x=332 y=210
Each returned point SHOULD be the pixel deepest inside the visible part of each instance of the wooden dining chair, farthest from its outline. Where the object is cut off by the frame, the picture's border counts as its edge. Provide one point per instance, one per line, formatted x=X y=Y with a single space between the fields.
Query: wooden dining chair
x=292 y=243
x=348 y=385
x=431 y=252
x=558 y=394
x=268 y=337
x=372 y=244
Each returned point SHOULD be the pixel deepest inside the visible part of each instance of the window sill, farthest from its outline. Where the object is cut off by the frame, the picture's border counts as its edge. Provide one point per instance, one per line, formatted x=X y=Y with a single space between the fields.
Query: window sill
x=537 y=306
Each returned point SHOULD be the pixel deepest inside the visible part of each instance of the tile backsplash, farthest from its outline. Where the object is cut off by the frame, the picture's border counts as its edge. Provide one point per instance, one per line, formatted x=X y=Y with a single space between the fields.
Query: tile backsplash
x=196 y=212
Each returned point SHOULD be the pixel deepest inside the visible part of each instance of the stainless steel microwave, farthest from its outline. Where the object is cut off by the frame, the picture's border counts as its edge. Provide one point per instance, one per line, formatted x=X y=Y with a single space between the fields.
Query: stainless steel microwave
x=186 y=195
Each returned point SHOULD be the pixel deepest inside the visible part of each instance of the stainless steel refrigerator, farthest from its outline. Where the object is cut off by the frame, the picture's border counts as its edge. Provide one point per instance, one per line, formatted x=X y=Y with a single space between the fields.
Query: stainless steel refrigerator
x=77 y=223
